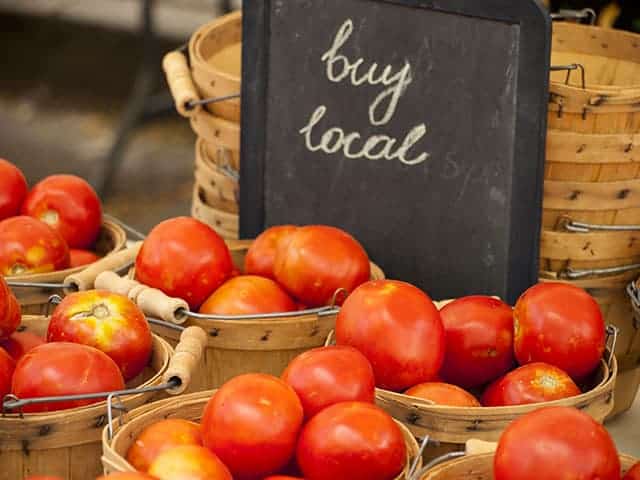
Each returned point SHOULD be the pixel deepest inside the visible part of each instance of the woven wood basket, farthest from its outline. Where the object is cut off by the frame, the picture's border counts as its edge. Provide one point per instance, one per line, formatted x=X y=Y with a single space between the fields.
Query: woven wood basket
x=225 y=223
x=68 y=443
x=188 y=407
x=34 y=301
x=480 y=467
x=216 y=182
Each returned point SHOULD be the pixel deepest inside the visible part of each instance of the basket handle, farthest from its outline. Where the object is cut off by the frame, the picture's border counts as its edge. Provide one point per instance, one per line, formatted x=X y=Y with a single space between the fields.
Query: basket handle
x=187 y=356
x=153 y=302
x=85 y=280
x=183 y=90
x=567 y=14
x=474 y=446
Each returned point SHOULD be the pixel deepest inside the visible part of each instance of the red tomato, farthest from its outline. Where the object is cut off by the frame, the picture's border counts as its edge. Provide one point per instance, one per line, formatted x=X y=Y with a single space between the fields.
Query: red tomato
x=633 y=473
x=28 y=245
x=556 y=443
x=248 y=295
x=189 y=462
x=327 y=375
x=9 y=310
x=315 y=261
x=479 y=335
x=160 y=437
x=13 y=189
x=63 y=368
x=79 y=257
x=69 y=205
x=559 y=324
x=351 y=441
x=7 y=366
x=184 y=258
x=20 y=343
x=262 y=252
x=443 y=394
x=107 y=321
x=126 y=476
x=532 y=383
x=283 y=477
x=252 y=424
x=398 y=328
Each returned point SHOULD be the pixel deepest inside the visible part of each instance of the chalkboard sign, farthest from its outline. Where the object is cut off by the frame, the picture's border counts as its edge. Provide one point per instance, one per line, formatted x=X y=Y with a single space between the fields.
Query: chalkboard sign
x=416 y=125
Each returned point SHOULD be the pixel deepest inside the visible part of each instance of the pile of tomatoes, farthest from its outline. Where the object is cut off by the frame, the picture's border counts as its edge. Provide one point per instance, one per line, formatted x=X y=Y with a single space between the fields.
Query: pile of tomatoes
x=53 y=226
x=95 y=342
x=287 y=268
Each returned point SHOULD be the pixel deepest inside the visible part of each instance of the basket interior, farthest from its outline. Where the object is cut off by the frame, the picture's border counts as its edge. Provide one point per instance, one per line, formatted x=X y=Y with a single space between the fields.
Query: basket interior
x=221 y=46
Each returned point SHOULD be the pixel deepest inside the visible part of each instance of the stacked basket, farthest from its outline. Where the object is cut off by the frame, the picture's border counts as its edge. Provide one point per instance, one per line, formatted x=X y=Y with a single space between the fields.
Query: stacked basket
x=591 y=207
x=201 y=87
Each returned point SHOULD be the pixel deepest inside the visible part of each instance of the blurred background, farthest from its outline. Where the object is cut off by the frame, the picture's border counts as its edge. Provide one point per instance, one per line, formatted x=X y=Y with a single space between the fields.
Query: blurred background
x=82 y=91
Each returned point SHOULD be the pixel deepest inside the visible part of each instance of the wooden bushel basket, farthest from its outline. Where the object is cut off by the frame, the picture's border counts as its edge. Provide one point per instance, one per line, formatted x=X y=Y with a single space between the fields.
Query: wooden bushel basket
x=34 y=301
x=67 y=443
x=188 y=407
x=217 y=184
x=224 y=223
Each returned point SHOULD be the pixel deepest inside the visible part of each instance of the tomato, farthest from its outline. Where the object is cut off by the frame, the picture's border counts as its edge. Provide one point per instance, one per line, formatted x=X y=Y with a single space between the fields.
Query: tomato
x=184 y=258
x=126 y=476
x=261 y=255
x=69 y=205
x=556 y=443
x=107 y=321
x=248 y=295
x=63 y=368
x=9 y=310
x=531 y=383
x=479 y=335
x=20 y=343
x=398 y=328
x=443 y=394
x=252 y=423
x=283 y=477
x=559 y=324
x=633 y=473
x=28 y=245
x=351 y=441
x=189 y=462
x=79 y=257
x=7 y=366
x=42 y=477
x=160 y=437
x=327 y=375
x=13 y=189
x=316 y=261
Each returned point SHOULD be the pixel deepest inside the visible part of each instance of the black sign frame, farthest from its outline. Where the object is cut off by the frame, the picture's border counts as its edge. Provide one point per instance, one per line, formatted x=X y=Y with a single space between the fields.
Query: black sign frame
x=530 y=123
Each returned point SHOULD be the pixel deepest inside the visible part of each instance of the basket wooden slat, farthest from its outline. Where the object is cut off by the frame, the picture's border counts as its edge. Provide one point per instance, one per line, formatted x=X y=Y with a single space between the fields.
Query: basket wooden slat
x=225 y=223
x=188 y=407
x=217 y=188
x=216 y=130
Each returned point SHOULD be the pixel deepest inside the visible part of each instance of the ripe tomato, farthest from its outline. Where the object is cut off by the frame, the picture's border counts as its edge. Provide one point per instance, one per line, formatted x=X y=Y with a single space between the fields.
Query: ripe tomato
x=13 y=189
x=327 y=375
x=443 y=394
x=69 y=205
x=189 y=462
x=398 y=328
x=63 y=368
x=633 y=473
x=80 y=257
x=248 y=295
x=28 y=245
x=20 y=343
x=283 y=477
x=559 y=324
x=126 y=476
x=479 y=335
x=556 y=443
x=184 y=258
x=7 y=366
x=315 y=261
x=351 y=441
x=531 y=383
x=261 y=255
x=252 y=424
x=107 y=321
x=160 y=437
x=9 y=310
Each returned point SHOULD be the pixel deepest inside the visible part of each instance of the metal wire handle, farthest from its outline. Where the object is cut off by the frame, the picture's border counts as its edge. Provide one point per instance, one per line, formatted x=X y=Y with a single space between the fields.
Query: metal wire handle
x=581 y=227
x=414 y=473
x=576 y=274
x=584 y=14
x=570 y=68
x=206 y=101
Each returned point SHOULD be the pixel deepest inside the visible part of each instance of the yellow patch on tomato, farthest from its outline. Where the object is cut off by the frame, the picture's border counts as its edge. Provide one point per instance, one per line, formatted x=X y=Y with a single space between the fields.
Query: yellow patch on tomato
x=36 y=254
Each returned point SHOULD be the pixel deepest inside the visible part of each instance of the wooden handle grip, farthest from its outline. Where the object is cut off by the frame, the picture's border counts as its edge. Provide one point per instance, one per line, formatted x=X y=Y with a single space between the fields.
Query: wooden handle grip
x=114 y=283
x=180 y=83
x=186 y=358
x=85 y=279
x=155 y=303
x=476 y=447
